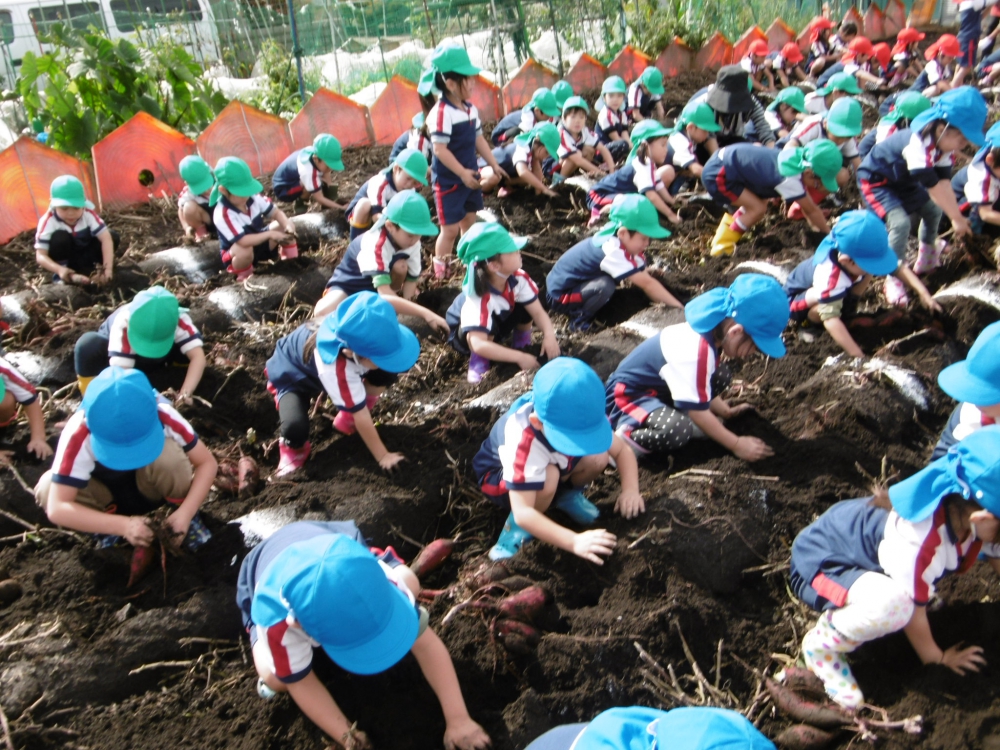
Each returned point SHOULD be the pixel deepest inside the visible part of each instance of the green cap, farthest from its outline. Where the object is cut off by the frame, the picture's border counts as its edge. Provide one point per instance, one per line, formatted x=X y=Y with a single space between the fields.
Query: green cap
x=234 y=175
x=562 y=91
x=635 y=213
x=907 y=106
x=196 y=173
x=414 y=163
x=645 y=131
x=66 y=190
x=840 y=82
x=792 y=96
x=821 y=156
x=452 y=59
x=152 y=322
x=698 y=114
x=575 y=102
x=544 y=100
x=484 y=240
x=652 y=79
x=327 y=148
x=844 y=118
x=546 y=133
x=614 y=85
x=408 y=210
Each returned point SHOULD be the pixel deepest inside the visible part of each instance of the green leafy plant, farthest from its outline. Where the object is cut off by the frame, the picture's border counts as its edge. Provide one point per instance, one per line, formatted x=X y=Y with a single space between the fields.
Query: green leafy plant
x=280 y=94
x=88 y=85
x=654 y=26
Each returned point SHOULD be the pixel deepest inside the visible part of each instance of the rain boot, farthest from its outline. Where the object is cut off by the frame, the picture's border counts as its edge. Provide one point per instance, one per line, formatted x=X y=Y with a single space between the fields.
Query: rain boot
x=289 y=251
x=442 y=268
x=478 y=367
x=82 y=383
x=895 y=292
x=724 y=242
x=291 y=459
x=511 y=539
x=572 y=502
x=823 y=649
x=344 y=422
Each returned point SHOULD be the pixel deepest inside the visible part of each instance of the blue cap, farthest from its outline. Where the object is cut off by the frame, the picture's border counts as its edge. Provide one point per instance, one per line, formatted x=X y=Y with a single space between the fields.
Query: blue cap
x=976 y=379
x=367 y=325
x=569 y=400
x=861 y=235
x=641 y=728
x=963 y=108
x=970 y=468
x=125 y=428
x=337 y=591
x=754 y=301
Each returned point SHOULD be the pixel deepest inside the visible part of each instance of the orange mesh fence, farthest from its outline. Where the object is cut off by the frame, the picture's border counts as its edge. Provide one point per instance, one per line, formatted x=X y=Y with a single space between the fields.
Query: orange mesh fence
x=531 y=76
x=329 y=112
x=393 y=111
x=629 y=64
x=716 y=52
x=137 y=160
x=486 y=97
x=675 y=59
x=853 y=15
x=874 y=23
x=895 y=17
x=259 y=139
x=779 y=34
x=586 y=74
x=742 y=45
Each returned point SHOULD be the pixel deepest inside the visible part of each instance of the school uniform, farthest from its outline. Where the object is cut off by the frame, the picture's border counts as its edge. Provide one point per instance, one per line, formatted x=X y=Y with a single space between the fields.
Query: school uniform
x=816 y=103
x=77 y=246
x=618 y=122
x=779 y=63
x=233 y=224
x=821 y=283
x=897 y=172
x=510 y=155
x=378 y=189
x=876 y=135
x=638 y=99
x=819 y=48
x=457 y=128
x=18 y=386
x=187 y=196
x=635 y=177
x=584 y=277
x=829 y=72
x=964 y=420
x=512 y=125
x=774 y=124
x=413 y=138
x=368 y=260
x=814 y=128
x=975 y=185
x=297 y=176
x=933 y=72
x=970 y=19
x=734 y=168
x=495 y=313
x=570 y=144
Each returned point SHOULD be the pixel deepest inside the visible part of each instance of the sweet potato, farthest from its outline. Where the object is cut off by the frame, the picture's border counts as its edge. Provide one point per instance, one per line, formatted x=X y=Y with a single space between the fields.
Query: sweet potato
x=10 y=590
x=487 y=573
x=142 y=558
x=517 y=637
x=804 y=682
x=515 y=583
x=228 y=469
x=249 y=475
x=804 y=737
x=525 y=605
x=824 y=715
x=226 y=483
x=431 y=556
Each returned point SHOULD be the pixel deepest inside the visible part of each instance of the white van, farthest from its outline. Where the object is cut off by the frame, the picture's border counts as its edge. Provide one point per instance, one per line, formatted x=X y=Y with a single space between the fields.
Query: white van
x=189 y=22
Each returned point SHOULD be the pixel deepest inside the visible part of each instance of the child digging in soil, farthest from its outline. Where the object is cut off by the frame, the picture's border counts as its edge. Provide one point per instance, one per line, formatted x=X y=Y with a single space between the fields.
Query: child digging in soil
x=498 y=299
x=579 y=149
x=907 y=105
x=551 y=443
x=240 y=215
x=150 y=332
x=871 y=565
x=613 y=120
x=667 y=390
x=15 y=390
x=307 y=174
x=841 y=125
x=825 y=288
x=781 y=115
x=522 y=159
x=645 y=96
x=352 y=355
x=977 y=187
x=758 y=67
x=193 y=208
x=316 y=584
x=975 y=384
x=585 y=276
x=122 y=455
x=541 y=108
x=72 y=240
x=407 y=172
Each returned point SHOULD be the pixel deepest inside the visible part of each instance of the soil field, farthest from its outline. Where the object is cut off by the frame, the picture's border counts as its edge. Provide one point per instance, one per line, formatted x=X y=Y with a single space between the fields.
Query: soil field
x=87 y=663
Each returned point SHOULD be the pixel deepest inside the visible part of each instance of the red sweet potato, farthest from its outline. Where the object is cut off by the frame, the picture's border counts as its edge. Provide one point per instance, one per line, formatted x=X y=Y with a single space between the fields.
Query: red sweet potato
x=824 y=715
x=487 y=573
x=228 y=469
x=804 y=682
x=226 y=483
x=515 y=583
x=804 y=737
x=431 y=556
x=517 y=637
x=142 y=558
x=525 y=605
x=249 y=475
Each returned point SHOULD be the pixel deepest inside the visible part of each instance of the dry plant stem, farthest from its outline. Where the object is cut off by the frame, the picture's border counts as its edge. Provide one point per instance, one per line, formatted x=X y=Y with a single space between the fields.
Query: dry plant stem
x=20 y=480
x=6 y=730
x=12 y=637
x=162 y=664
x=18 y=520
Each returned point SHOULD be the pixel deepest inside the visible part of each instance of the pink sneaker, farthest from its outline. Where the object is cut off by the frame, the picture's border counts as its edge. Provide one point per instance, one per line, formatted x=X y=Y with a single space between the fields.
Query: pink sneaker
x=245 y=274
x=370 y=401
x=595 y=217
x=344 y=423
x=895 y=292
x=478 y=367
x=503 y=192
x=292 y=459
x=200 y=234
x=287 y=252
x=442 y=268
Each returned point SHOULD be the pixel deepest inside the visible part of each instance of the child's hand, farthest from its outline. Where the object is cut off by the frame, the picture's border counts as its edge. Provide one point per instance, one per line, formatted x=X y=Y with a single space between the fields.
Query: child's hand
x=591 y=544
x=289 y=229
x=278 y=236
x=390 y=460
x=527 y=362
x=182 y=399
x=751 y=449
x=630 y=504
x=470 y=178
x=928 y=301
x=961 y=227
x=550 y=193
x=40 y=448
x=438 y=323
x=178 y=526
x=465 y=735
x=961 y=660
x=550 y=348
x=108 y=273
x=355 y=739
x=138 y=533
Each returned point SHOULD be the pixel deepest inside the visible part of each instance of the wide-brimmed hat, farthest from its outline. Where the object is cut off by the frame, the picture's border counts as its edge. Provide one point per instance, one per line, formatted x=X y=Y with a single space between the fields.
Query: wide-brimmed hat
x=731 y=92
x=756 y=302
x=862 y=236
x=569 y=400
x=976 y=379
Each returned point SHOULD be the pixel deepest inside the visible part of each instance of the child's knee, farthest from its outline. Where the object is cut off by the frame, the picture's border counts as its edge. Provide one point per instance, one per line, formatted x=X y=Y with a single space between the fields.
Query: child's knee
x=589 y=468
x=7 y=407
x=408 y=577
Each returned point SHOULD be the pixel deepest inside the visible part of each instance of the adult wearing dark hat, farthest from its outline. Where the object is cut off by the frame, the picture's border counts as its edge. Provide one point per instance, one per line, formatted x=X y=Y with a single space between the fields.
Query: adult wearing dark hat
x=734 y=107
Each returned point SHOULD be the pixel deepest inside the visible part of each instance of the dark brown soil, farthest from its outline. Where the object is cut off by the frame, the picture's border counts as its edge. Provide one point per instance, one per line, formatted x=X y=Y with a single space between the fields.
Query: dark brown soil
x=686 y=566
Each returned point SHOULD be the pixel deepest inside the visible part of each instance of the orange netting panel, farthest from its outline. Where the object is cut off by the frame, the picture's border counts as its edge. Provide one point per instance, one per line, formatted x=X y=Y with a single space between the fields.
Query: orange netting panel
x=137 y=160
x=329 y=112
x=27 y=169
x=486 y=97
x=675 y=59
x=895 y=17
x=750 y=36
x=853 y=15
x=874 y=23
x=259 y=139
x=629 y=64
x=779 y=34
x=393 y=110
x=586 y=74
x=715 y=53
x=532 y=75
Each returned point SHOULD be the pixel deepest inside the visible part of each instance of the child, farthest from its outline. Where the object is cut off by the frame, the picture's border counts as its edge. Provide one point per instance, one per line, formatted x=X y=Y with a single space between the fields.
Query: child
x=457 y=136
x=551 y=443
x=970 y=20
x=151 y=331
x=562 y=91
x=645 y=96
x=668 y=389
x=408 y=171
x=579 y=147
x=693 y=129
x=977 y=186
x=910 y=173
x=788 y=65
x=939 y=72
x=120 y=456
x=908 y=105
x=416 y=138
x=646 y=172
x=858 y=63
x=746 y=175
x=316 y=584
x=821 y=52
x=782 y=115
x=734 y=107
x=824 y=288
x=193 y=208
x=541 y=108
x=906 y=55
x=841 y=124
x=871 y=565
x=71 y=240
x=975 y=384
x=385 y=259
x=612 y=120
x=498 y=299
x=15 y=390
x=308 y=172
x=585 y=276
x=840 y=85
x=522 y=160
x=846 y=34
x=757 y=67
x=240 y=213
x=352 y=356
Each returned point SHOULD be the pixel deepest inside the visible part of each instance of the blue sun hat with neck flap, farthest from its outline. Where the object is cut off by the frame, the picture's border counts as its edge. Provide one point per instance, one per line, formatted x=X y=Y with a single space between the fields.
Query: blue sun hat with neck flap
x=754 y=301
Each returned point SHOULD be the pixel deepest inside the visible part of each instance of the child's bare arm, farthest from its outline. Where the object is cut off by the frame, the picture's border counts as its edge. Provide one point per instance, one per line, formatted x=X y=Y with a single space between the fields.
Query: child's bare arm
x=63 y=510
x=481 y=344
x=283 y=221
x=746 y=448
x=784 y=78
x=813 y=214
x=107 y=253
x=408 y=307
x=541 y=319
x=906 y=275
x=958 y=660
x=654 y=289
x=989 y=214
x=839 y=333
x=609 y=160
x=196 y=368
x=588 y=544
x=366 y=429
x=484 y=150
x=205 y=470
x=315 y=701
x=630 y=502
x=42 y=258
x=322 y=200
x=36 y=424
x=533 y=178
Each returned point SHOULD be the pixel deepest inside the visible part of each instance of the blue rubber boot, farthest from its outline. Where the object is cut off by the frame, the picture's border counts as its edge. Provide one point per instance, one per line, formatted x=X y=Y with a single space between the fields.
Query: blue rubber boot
x=574 y=504
x=511 y=539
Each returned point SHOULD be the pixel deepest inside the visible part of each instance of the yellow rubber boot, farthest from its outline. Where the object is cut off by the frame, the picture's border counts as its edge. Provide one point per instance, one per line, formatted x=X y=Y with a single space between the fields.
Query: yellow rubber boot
x=82 y=383
x=724 y=242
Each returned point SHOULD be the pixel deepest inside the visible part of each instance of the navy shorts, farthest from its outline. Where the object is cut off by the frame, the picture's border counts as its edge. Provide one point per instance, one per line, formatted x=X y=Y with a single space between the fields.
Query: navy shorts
x=883 y=196
x=455 y=201
x=968 y=36
x=724 y=190
x=495 y=488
